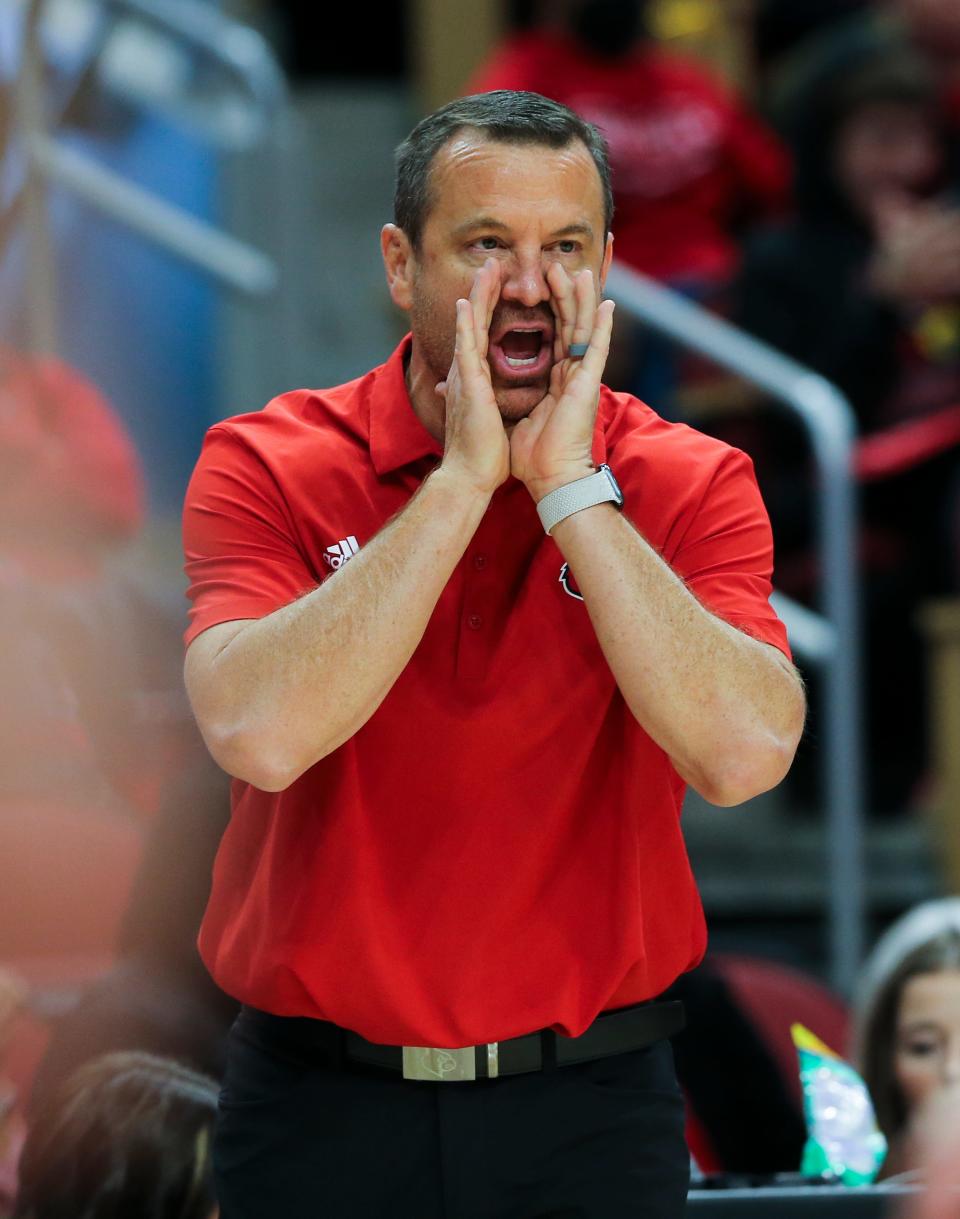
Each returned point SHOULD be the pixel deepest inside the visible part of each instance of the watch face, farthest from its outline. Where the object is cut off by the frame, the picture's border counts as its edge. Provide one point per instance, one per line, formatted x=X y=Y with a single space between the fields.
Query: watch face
x=614 y=484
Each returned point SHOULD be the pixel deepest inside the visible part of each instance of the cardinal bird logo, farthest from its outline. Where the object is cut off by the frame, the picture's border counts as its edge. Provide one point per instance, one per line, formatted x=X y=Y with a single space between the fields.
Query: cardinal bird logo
x=568 y=582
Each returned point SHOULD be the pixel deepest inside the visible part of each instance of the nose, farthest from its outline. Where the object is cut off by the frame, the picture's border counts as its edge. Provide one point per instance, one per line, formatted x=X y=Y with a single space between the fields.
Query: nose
x=951 y=1064
x=524 y=281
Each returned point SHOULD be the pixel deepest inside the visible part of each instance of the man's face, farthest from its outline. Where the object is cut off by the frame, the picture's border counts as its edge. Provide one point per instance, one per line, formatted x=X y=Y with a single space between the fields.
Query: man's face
x=526 y=206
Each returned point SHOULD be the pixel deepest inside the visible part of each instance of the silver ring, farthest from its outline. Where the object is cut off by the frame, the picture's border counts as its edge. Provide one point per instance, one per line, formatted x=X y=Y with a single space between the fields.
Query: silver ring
x=576 y=351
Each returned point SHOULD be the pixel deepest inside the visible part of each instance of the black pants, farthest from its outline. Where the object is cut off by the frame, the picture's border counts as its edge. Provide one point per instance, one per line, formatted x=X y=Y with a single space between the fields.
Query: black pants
x=303 y=1134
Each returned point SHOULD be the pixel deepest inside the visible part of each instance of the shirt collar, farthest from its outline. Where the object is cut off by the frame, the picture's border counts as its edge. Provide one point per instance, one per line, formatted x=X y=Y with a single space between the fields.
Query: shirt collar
x=398 y=438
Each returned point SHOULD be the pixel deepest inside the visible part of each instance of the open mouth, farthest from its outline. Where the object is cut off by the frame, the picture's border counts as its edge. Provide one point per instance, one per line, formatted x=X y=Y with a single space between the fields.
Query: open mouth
x=521 y=347
x=522 y=351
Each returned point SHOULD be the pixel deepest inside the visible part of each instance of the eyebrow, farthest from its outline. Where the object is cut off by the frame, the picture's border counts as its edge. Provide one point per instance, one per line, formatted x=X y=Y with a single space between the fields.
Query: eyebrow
x=579 y=229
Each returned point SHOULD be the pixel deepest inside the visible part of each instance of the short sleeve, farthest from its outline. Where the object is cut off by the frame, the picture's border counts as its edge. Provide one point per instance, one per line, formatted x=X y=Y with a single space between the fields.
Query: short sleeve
x=241 y=555
x=726 y=554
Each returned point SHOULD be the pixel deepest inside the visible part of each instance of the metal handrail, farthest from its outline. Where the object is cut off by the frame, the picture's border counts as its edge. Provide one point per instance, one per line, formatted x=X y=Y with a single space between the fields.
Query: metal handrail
x=811 y=635
x=29 y=115
x=233 y=263
x=831 y=639
x=240 y=50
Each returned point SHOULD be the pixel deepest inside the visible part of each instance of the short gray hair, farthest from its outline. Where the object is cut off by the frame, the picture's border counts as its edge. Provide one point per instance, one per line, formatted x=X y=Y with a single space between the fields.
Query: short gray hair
x=507 y=116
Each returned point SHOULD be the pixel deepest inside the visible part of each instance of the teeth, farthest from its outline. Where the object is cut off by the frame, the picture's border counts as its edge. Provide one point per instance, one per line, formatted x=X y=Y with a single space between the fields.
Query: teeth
x=520 y=363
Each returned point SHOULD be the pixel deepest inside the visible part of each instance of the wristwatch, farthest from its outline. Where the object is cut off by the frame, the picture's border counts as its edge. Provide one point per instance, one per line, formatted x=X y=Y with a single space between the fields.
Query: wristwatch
x=598 y=488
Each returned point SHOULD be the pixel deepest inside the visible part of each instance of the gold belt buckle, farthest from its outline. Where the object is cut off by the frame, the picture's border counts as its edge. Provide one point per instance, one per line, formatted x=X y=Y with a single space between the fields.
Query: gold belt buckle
x=446 y=1066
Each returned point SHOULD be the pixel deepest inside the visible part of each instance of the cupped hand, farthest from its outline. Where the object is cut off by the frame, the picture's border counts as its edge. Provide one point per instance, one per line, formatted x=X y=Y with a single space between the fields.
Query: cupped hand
x=553 y=445
x=475 y=443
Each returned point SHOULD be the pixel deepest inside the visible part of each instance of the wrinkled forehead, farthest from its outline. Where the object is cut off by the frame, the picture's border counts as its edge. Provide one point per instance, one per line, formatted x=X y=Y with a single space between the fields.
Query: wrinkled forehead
x=474 y=171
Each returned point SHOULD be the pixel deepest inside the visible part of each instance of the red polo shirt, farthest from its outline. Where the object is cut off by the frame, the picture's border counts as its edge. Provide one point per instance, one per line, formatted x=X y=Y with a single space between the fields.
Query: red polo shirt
x=498 y=848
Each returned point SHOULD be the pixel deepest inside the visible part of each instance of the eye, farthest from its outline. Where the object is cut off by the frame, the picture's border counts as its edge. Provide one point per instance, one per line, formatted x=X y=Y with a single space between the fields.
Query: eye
x=567 y=246
x=920 y=1047
x=486 y=243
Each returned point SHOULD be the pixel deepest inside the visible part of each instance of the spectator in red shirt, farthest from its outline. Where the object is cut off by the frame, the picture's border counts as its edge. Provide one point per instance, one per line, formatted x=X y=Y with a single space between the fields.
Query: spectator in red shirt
x=461 y=692
x=71 y=491
x=70 y=481
x=689 y=160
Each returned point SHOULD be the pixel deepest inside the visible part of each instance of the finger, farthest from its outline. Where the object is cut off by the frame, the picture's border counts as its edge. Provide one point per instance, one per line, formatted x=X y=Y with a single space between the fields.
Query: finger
x=467 y=359
x=477 y=300
x=466 y=333
x=493 y=294
x=564 y=305
x=586 y=300
x=578 y=393
x=594 y=362
x=483 y=296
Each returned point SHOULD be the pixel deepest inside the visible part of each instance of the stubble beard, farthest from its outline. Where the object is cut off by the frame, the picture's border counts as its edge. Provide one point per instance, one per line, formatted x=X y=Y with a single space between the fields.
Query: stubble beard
x=437 y=343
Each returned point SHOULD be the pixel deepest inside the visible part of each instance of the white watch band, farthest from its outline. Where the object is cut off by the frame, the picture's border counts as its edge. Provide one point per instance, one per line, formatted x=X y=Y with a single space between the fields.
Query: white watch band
x=598 y=488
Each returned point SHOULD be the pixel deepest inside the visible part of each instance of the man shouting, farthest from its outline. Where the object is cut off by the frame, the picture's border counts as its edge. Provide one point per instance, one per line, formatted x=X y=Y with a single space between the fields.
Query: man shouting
x=462 y=630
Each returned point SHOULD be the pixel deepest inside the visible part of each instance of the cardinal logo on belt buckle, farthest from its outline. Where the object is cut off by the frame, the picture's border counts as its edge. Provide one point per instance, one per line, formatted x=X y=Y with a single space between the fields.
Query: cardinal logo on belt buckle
x=445 y=1066
x=427 y=1062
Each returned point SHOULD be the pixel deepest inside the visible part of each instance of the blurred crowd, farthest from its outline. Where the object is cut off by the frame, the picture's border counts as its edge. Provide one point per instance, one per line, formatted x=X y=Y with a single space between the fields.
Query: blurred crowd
x=817 y=208
x=817 y=205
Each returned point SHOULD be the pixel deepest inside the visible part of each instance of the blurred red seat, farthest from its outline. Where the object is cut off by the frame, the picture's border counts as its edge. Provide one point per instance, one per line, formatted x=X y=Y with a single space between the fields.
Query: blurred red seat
x=775 y=996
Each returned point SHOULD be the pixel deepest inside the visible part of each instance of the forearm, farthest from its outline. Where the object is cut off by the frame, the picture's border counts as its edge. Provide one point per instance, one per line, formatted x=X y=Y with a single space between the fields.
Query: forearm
x=727 y=709
x=289 y=688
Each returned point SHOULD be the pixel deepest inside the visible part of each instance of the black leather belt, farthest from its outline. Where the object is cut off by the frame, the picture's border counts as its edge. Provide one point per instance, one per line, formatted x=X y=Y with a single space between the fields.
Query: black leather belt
x=613 y=1032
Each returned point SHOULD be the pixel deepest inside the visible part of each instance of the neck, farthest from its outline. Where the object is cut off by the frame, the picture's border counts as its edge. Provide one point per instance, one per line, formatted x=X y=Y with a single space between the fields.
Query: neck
x=428 y=405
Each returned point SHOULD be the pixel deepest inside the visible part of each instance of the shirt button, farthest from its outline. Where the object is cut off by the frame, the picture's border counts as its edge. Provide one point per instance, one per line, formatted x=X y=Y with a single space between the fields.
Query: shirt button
x=479 y=561
x=474 y=622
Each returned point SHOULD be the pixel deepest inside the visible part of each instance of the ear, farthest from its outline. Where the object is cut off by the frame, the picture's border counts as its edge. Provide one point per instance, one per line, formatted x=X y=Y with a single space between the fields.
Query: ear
x=399 y=263
x=607 y=259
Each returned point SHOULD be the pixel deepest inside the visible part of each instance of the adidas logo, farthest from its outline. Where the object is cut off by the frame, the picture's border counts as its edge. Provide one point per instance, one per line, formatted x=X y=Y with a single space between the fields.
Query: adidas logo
x=337 y=554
